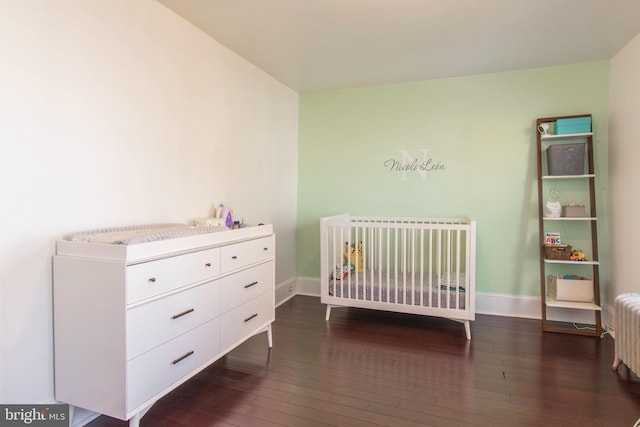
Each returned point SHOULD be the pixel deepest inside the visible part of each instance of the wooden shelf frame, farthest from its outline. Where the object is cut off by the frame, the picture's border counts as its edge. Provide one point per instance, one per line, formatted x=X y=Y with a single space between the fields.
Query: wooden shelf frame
x=594 y=264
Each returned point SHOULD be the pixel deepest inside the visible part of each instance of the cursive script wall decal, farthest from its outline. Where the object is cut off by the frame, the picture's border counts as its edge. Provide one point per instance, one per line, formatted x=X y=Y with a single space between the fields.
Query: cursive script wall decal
x=409 y=164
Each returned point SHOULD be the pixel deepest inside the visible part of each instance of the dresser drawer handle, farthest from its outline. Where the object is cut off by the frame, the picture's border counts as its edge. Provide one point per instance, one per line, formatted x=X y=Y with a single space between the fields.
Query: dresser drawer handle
x=251 y=317
x=234 y=257
x=176 y=316
x=250 y=285
x=208 y=264
x=181 y=358
x=265 y=249
x=152 y=279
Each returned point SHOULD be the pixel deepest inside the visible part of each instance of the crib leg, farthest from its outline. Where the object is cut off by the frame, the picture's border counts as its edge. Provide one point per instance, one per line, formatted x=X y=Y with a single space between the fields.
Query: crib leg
x=328 y=312
x=467 y=329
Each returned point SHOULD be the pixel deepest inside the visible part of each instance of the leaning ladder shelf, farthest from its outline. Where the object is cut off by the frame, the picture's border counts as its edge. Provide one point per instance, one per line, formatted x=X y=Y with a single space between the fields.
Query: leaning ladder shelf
x=546 y=300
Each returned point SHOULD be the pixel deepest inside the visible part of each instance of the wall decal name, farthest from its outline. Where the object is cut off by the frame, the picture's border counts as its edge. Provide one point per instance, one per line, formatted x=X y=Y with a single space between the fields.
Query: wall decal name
x=409 y=164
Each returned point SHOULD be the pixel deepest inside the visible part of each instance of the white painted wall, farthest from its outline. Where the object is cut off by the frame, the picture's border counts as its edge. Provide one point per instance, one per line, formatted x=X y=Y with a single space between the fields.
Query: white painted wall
x=624 y=161
x=119 y=113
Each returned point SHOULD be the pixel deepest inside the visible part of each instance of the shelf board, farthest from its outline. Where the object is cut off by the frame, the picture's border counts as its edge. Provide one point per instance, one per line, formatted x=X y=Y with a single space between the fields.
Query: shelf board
x=565 y=136
x=556 y=261
x=589 y=175
x=572 y=304
x=566 y=218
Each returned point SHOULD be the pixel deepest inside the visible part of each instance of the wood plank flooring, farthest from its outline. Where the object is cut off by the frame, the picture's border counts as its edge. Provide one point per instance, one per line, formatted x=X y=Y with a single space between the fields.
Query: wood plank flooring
x=372 y=368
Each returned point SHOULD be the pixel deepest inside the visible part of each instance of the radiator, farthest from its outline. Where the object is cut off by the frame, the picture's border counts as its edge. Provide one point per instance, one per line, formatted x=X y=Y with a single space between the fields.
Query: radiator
x=627 y=343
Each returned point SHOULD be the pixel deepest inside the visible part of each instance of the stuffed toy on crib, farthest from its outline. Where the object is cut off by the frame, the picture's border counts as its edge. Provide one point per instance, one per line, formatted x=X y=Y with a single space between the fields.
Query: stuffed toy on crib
x=353 y=256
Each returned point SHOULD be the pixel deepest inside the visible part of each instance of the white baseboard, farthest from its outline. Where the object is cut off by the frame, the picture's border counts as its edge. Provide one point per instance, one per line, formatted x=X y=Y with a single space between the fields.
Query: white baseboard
x=527 y=307
x=308 y=286
x=508 y=305
x=608 y=319
x=285 y=290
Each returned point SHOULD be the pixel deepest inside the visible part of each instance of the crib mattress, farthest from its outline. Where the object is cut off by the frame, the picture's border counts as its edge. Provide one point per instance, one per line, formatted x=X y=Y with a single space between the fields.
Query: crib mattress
x=443 y=293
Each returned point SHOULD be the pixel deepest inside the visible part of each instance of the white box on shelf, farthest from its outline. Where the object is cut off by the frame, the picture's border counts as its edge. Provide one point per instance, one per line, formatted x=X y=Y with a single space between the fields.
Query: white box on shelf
x=577 y=290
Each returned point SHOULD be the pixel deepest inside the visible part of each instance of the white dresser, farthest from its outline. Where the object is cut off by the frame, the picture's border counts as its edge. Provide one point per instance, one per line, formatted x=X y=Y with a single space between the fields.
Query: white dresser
x=134 y=321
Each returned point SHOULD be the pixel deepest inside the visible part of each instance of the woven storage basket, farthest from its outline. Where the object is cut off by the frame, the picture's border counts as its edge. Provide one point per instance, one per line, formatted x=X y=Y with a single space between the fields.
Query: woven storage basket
x=557 y=252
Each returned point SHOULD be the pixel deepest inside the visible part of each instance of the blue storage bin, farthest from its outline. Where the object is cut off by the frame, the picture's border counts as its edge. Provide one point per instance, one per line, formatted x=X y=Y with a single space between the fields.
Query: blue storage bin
x=575 y=125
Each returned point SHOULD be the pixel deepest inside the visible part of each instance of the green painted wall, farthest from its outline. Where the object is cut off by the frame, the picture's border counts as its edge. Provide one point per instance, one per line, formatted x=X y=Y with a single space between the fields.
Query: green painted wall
x=475 y=138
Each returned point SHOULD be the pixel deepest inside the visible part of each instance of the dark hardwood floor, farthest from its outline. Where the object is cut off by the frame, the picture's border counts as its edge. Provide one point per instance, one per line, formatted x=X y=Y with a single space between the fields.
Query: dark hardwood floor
x=368 y=368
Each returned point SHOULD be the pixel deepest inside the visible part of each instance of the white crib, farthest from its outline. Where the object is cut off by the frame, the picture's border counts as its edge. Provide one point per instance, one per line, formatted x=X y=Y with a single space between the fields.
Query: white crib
x=409 y=265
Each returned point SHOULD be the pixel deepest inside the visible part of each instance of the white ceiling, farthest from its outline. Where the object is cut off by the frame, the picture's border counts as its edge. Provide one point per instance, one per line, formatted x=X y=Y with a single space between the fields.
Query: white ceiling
x=320 y=44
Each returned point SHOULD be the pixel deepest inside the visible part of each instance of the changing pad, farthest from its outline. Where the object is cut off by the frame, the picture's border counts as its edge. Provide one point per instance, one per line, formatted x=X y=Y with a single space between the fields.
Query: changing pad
x=132 y=235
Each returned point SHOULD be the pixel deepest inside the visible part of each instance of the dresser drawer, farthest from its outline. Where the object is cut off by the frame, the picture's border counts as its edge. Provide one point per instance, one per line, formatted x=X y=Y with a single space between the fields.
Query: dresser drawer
x=157 y=322
x=246 y=285
x=156 y=277
x=242 y=254
x=239 y=323
x=152 y=372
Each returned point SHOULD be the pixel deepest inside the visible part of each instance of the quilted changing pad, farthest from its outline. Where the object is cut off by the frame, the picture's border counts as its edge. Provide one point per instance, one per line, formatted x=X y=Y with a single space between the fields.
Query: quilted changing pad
x=140 y=234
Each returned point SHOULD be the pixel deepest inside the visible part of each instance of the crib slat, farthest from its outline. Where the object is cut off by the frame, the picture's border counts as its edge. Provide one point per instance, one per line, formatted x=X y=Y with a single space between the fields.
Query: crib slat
x=431 y=268
x=422 y=255
x=458 y=283
x=439 y=265
x=388 y=264
x=404 y=265
x=396 y=265
x=412 y=274
x=380 y=266
x=449 y=267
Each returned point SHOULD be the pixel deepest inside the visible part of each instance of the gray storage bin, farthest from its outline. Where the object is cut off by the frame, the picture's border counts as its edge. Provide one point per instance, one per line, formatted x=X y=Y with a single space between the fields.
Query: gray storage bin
x=566 y=159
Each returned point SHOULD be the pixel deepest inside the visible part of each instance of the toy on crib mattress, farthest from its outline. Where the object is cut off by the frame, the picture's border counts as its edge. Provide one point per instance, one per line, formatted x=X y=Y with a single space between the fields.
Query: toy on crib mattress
x=353 y=255
x=343 y=270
